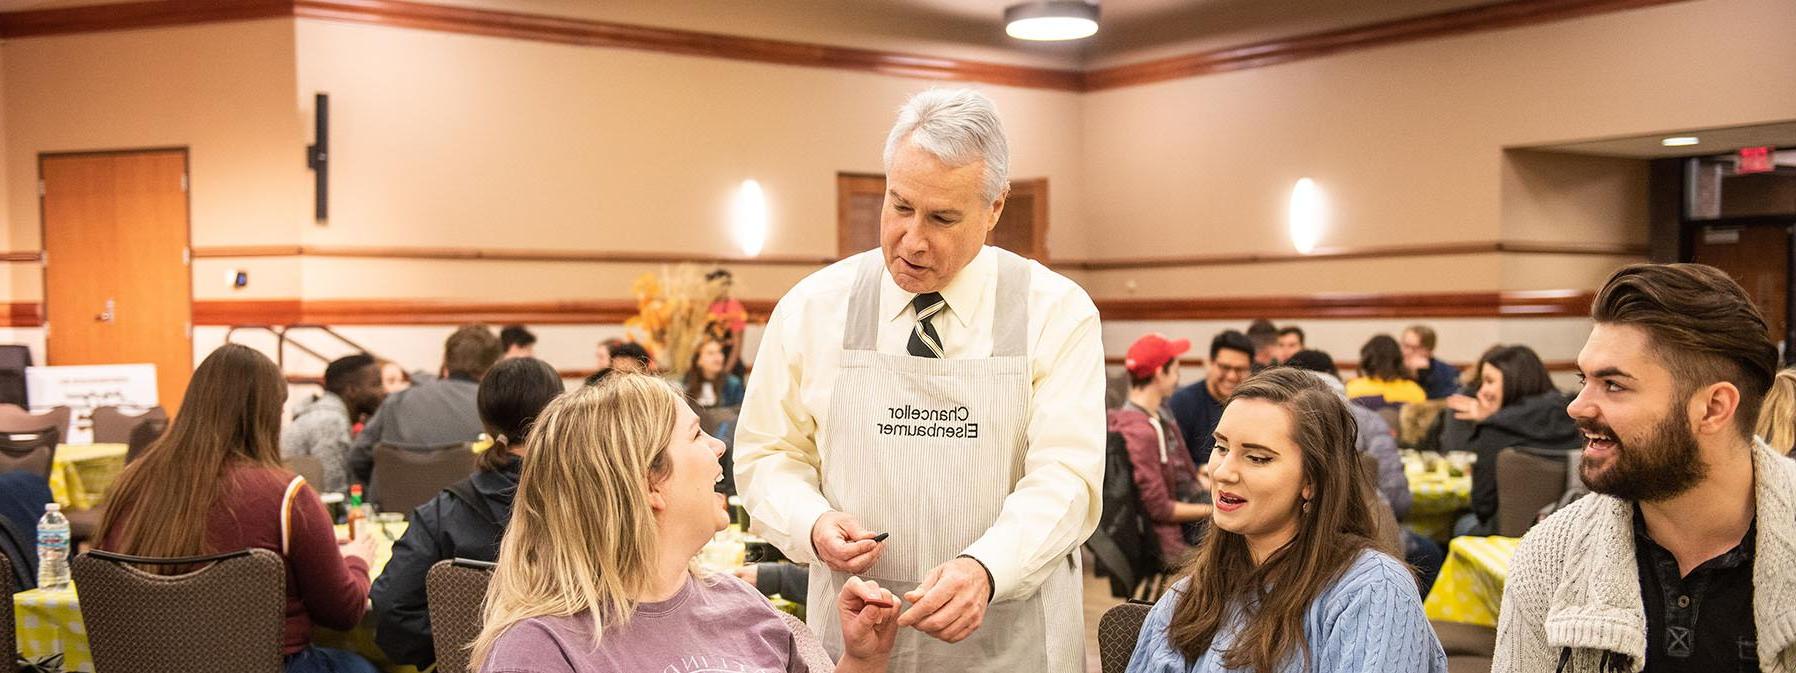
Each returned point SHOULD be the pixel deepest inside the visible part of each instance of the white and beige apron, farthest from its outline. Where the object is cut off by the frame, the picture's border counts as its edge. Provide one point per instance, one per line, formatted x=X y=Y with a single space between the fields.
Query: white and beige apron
x=927 y=450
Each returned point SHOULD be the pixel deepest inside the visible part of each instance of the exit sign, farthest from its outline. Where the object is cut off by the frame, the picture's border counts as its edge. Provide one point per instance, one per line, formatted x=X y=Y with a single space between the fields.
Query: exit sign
x=1754 y=160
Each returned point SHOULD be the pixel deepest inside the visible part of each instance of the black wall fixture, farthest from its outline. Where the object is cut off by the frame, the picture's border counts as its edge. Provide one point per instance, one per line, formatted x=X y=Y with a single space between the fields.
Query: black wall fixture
x=318 y=156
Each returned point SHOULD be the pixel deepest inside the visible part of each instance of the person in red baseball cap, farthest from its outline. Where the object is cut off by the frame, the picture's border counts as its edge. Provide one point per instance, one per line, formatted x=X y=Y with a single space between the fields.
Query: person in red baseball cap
x=1165 y=478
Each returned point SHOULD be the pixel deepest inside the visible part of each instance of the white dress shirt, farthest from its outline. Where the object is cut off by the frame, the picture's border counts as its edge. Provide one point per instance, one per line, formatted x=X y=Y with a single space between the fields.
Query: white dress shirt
x=784 y=416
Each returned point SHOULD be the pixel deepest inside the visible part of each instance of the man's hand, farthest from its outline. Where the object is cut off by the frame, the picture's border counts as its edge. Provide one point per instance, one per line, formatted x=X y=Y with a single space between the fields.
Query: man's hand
x=869 y=617
x=843 y=544
x=950 y=603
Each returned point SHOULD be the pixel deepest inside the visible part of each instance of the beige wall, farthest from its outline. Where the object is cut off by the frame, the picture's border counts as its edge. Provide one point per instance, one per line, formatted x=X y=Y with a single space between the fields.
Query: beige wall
x=455 y=140
x=225 y=91
x=1408 y=141
x=463 y=141
x=1573 y=198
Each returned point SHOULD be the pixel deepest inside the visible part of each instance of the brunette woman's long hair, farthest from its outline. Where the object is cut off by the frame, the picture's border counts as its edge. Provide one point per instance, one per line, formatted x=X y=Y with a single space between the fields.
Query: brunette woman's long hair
x=231 y=415
x=695 y=379
x=1273 y=596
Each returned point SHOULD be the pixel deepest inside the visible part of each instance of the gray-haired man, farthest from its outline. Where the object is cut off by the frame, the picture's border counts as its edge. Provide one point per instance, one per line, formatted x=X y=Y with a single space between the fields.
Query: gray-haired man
x=944 y=393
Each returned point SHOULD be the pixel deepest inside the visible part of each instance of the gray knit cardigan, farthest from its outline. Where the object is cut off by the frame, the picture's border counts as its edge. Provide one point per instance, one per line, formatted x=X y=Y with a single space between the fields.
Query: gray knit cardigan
x=1573 y=598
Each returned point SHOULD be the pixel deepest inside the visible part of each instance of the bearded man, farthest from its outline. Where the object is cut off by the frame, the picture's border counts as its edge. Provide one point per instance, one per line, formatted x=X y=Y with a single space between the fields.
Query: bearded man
x=1684 y=556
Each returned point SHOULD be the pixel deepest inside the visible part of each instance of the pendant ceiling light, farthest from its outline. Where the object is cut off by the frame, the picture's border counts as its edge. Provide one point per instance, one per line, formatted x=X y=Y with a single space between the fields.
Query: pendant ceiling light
x=1048 y=20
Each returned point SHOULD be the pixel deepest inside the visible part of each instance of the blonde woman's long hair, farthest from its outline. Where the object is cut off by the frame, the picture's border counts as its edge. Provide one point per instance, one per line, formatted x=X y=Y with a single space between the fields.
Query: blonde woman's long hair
x=582 y=538
x=1777 y=414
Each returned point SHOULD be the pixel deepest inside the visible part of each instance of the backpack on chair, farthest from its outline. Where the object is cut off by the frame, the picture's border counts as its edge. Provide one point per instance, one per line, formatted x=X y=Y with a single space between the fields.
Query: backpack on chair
x=1124 y=543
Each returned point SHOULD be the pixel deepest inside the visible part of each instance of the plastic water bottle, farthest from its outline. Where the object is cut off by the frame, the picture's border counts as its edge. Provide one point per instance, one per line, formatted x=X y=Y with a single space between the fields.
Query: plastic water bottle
x=53 y=549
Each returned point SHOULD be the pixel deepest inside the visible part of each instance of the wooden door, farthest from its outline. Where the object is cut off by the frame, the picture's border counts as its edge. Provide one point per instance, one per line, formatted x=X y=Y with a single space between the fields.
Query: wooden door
x=117 y=284
x=1022 y=228
x=1758 y=258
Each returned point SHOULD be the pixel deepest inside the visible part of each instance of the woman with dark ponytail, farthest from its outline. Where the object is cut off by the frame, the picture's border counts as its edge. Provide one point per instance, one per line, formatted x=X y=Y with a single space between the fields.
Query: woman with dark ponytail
x=467 y=519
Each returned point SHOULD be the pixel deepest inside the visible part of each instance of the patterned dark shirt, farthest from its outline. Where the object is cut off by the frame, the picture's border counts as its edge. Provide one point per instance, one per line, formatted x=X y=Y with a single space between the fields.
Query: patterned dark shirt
x=1701 y=622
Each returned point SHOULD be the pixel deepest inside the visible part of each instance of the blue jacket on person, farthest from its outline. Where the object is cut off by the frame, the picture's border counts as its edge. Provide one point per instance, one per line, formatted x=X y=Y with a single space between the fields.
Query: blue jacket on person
x=1440 y=380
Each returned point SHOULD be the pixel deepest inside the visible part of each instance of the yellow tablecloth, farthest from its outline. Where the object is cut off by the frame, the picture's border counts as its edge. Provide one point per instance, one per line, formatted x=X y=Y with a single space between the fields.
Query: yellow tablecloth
x=81 y=473
x=50 y=621
x=1438 y=497
x=1470 y=588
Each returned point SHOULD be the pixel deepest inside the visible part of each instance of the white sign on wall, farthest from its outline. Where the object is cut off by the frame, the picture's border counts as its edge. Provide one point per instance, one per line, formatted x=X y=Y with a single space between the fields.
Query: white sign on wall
x=86 y=387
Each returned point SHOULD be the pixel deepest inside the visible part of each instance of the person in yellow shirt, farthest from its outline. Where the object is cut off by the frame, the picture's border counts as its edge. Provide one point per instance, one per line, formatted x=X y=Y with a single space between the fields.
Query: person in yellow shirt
x=1382 y=380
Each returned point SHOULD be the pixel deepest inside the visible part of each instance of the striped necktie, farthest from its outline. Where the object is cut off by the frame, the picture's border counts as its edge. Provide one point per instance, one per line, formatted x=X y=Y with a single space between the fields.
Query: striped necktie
x=924 y=342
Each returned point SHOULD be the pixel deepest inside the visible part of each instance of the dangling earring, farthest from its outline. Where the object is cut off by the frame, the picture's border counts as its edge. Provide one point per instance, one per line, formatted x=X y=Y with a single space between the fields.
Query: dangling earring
x=1306 y=507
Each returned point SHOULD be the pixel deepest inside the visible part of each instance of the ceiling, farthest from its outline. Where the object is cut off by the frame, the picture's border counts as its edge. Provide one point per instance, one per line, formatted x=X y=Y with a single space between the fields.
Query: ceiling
x=1713 y=141
x=1131 y=29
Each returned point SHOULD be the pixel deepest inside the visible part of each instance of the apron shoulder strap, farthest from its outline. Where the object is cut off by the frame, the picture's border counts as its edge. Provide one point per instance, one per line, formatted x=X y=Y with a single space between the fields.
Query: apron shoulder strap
x=1010 y=317
x=861 y=331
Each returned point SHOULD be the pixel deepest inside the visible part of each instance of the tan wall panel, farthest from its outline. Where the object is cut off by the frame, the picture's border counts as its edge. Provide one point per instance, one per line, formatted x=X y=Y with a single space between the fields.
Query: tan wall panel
x=1407 y=140
x=224 y=90
x=1446 y=273
x=25 y=281
x=326 y=278
x=473 y=141
x=1573 y=198
x=269 y=278
x=1534 y=271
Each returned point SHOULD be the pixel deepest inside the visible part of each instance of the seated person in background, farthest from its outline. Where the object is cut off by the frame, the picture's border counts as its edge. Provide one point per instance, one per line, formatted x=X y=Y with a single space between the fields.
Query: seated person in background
x=393 y=377
x=23 y=496
x=1438 y=379
x=1376 y=440
x=1374 y=437
x=708 y=384
x=214 y=483
x=602 y=357
x=1264 y=336
x=1293 y=576
x=1680 y=557
x=596 y=570
x=629 y=356
x=784 y=579
x=1165 y=477
x=1290 y=342
x=467 y=519
x=438 y=412
x=1198 y=406
x=1777 y=416
x=1382 y=380
x=1515 y=405
x=517 y=342
x=321 y=426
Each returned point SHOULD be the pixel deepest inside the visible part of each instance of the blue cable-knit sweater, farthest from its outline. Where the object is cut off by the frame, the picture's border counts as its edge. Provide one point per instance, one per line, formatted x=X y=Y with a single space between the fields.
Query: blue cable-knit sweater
x=1370 y=620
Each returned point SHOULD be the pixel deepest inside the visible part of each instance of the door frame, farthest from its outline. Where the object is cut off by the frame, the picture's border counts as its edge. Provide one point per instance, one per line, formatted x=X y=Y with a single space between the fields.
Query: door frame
x=1688 y=230
x=43 y=238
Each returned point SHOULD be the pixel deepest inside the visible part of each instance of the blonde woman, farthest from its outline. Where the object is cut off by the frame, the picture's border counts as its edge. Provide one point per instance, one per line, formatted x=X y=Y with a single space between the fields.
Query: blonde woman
x=1777 y=414
x=595 y=571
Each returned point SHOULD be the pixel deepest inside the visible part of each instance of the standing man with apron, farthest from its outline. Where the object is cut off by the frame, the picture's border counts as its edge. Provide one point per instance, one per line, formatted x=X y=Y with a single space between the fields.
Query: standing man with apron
x=930 y=415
